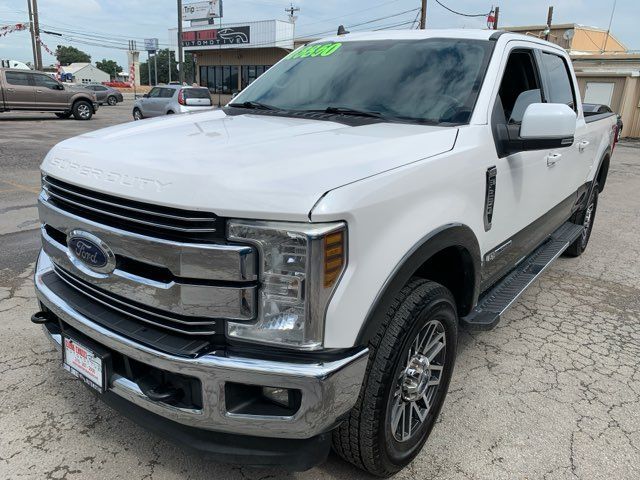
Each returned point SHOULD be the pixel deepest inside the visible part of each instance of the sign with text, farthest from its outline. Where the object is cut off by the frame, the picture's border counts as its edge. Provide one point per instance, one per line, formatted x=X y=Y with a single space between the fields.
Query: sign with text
x=151 y=44
x=202 y=10
x=216 y=37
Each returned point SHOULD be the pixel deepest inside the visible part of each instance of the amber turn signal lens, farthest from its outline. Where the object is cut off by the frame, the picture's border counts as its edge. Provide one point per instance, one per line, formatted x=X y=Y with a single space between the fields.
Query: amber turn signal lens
x=333 y=257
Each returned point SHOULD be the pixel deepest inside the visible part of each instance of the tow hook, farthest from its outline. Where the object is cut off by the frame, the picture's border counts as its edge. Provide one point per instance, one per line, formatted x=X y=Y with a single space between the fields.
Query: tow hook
x=40 y=318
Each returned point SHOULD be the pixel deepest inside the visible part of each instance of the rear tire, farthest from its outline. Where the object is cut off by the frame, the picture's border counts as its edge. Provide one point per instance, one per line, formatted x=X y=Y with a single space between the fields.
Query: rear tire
x=410 y=365
x=63 y=115
x=82 y=110
x=585 y=217
x=112 y=101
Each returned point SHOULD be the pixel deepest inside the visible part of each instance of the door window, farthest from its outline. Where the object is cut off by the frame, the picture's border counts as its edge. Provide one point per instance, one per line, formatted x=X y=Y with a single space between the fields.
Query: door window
x=560 y=89
x=167 y=93
x=520 y=87
x=17 y=78
x=155 y=92
x=46 y=82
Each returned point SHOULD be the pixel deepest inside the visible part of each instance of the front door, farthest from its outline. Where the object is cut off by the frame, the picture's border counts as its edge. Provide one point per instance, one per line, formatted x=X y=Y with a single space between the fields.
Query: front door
x=50 y=94
x=19 y=93
x=528 y=202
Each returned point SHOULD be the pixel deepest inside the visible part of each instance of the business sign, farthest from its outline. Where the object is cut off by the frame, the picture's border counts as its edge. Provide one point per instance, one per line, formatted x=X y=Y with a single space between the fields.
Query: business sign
x=151 y=44
x=202 y=10
x=217 y=37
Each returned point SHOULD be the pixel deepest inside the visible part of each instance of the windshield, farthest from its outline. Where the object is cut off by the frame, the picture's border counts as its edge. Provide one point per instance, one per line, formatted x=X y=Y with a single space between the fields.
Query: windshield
x=432 y=81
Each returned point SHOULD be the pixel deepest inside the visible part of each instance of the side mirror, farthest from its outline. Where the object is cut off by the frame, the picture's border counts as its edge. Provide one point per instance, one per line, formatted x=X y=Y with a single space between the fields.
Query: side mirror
x=544 y=126
x=548 y=121
x=146 y=95
x=59 y=87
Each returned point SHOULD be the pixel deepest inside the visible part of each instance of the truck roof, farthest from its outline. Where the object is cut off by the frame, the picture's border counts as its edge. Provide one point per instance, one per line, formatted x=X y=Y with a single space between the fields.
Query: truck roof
x=462 y=33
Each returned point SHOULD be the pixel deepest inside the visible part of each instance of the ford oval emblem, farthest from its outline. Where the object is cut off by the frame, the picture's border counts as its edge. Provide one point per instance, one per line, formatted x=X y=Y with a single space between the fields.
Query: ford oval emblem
x=87 y=250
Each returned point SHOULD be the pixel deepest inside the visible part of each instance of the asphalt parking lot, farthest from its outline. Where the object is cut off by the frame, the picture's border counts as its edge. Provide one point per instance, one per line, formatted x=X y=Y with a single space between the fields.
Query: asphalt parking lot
x=553 y=392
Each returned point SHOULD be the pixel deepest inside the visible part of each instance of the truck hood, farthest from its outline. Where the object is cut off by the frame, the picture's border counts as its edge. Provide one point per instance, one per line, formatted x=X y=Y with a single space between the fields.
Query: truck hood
x=249 y=166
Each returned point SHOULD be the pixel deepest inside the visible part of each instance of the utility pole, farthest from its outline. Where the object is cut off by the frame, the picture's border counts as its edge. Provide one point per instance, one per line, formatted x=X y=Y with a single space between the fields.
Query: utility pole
x=292 y=10
x=549 y=20
x=423 y=15
x=155 y=67
x=36 y=28
x=496 y=16
x=33 y=35
x=180 y=53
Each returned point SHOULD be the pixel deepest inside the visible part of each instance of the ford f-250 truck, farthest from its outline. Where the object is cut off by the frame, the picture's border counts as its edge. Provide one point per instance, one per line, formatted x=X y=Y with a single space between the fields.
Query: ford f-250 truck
x=291 y=271
x=38 y=92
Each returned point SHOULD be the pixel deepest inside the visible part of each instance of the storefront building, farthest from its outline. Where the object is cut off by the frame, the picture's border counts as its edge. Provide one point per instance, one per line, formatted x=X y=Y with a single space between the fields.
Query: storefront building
x=230 y=57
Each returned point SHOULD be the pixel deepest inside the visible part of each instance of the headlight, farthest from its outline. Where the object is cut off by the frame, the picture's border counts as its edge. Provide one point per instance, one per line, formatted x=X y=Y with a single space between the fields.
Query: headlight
x=301 y=264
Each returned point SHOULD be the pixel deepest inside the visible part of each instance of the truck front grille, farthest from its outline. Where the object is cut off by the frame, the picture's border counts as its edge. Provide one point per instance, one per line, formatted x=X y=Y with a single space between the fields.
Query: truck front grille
x=162 y=222
x=175 y=273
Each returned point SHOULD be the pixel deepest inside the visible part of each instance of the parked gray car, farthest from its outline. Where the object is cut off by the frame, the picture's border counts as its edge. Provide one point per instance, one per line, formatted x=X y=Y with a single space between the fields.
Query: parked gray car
x=108 y=95
x=171 y=99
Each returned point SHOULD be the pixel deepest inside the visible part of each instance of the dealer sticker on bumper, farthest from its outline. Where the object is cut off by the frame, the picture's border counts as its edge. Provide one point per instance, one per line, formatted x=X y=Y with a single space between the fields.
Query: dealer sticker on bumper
x=84 y=364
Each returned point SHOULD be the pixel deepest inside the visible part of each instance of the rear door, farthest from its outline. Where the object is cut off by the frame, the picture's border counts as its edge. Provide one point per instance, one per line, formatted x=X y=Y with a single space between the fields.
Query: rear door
x=19 y=93
x=50 y=94
x=101 y=92
x=571 y=164
x=150 y=104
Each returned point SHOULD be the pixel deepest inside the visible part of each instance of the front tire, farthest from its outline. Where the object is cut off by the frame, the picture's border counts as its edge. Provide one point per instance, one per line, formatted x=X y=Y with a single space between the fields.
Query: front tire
x=408 y=374
x=112 y=101
x=585 y=217
x=82 y=110
x=137 y=114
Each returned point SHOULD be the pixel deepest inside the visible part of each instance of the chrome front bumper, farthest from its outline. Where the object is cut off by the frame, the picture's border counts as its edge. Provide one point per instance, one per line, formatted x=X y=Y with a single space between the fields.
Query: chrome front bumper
x=329 y=389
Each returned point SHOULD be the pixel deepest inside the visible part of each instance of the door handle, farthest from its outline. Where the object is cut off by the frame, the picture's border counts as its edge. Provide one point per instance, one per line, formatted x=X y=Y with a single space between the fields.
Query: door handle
x=11 y=90
x=38 y=91
x=583 y=145
x=553 y=158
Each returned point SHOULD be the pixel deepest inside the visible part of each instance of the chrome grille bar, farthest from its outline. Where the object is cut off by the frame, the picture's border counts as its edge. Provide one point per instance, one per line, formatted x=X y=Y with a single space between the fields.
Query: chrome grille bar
x=189 y=328
x=110 y=209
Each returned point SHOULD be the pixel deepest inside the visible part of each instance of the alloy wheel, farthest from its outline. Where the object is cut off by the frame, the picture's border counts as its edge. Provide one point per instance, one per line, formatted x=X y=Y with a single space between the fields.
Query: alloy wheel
x=418 y=381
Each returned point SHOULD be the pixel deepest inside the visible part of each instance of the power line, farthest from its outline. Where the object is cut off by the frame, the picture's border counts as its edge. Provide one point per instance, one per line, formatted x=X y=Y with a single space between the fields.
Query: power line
x=460 y=13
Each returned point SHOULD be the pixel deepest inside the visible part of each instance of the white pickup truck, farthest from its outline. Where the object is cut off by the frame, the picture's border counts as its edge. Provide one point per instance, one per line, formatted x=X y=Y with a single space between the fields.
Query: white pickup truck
x=291 y=271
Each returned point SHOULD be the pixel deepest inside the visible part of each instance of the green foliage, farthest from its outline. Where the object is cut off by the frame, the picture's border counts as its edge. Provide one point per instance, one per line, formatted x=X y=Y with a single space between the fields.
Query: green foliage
x=163 y=68
x=109 y=66
x=68 y=55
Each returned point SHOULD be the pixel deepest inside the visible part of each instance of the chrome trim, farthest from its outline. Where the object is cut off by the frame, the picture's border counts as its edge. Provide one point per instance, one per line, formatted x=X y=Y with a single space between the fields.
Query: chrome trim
x=237 y=303
x=131 y=219
x=46 y=183
x=234 y=263
x=329 y=389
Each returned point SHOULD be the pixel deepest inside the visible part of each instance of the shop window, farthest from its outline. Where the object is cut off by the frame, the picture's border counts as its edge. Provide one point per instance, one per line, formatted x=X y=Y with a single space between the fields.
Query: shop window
x=224 y=79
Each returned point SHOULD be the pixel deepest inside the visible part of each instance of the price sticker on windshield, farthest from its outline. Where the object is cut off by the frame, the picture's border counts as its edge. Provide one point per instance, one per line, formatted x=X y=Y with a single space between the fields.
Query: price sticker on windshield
x=313 y=51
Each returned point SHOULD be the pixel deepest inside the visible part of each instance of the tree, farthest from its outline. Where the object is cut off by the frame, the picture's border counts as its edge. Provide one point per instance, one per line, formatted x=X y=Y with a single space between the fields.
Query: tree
x=68 y=55
x=110 y=67
x=163 y=68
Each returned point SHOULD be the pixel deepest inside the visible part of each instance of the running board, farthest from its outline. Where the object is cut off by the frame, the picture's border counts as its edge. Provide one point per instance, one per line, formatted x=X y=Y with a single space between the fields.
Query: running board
x=496 y=301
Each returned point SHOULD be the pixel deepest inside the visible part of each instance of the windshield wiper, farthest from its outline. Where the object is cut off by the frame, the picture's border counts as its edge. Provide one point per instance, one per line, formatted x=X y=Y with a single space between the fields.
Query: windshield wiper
x=253 y=106
x=343 y=111
x=352 y=112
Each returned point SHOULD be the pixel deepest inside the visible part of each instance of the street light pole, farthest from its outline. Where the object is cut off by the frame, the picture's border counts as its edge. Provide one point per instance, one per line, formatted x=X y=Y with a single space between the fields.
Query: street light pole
x=180 y=53
x=33 y=36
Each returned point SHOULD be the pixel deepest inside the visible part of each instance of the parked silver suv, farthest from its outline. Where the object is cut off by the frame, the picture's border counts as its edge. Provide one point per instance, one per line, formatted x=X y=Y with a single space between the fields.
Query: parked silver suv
x=170 y=99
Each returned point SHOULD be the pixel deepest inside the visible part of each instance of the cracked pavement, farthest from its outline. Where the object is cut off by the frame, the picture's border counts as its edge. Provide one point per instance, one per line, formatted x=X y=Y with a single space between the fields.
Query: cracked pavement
x=552 y=393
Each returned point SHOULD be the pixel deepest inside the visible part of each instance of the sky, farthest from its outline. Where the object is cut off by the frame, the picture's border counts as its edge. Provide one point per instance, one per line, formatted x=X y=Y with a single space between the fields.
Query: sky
x=107 y=24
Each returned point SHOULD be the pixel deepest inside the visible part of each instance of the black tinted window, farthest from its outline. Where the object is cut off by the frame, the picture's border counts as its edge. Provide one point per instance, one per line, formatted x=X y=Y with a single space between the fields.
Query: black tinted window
x=17 y=78
x=46 y=81
x=99 y=88
x=559 y=90
x=519 y=87
x=432 y=80
x=196 y=93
